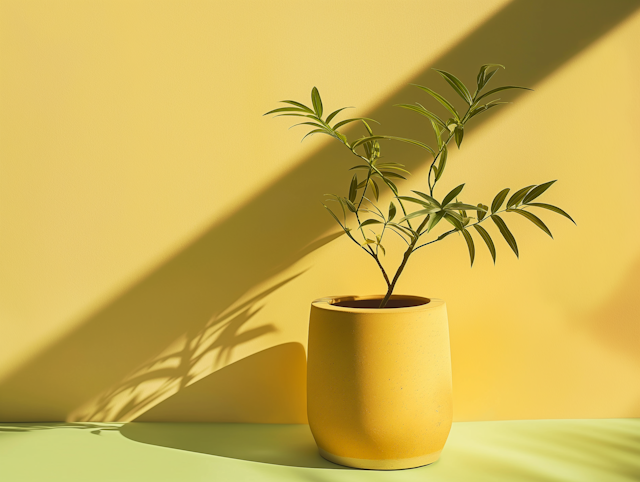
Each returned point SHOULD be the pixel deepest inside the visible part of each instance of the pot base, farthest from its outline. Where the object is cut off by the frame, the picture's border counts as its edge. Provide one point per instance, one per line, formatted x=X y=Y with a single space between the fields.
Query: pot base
x=382 y=464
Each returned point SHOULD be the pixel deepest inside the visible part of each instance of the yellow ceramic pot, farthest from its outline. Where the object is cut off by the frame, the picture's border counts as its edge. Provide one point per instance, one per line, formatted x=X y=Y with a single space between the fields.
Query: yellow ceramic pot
x=379 y=381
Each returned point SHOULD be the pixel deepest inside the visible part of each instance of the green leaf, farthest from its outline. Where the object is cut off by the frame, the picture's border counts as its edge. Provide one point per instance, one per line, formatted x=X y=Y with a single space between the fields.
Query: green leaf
x=333 y=215
x=537 y=191
x=555 y=209
x=394 y=175
x=384 y=251
x=506 y=87
x=533 y=218
x=436 y=129
x=457 y=85
x=482 y=79
x=442 y=163
x=308 y=124
x=417 y=201
x=350 y=205
x=447 y=105
x=298 y=104
x=375 y=188
x=499 y=199
x=392 y=211
x=422 y=212
x=488 y=76
x=361 y=166
x=408 y=231
x=488 y=241
x=317 y=131
x=369 y=222
x=347 y=121
x=459 y=134
x=435 y=220
x=465 y=206
x=353 y=189
x=424 y=112
x=454 y=221
x=470 y=245
x=335 y=113
x=342 y=204
x=482 y=211
x=504 y=230
x=451 y=196
x=428 y=198
x=285 y=109
x=518 y=196
x=317 y=102
x=393 y=165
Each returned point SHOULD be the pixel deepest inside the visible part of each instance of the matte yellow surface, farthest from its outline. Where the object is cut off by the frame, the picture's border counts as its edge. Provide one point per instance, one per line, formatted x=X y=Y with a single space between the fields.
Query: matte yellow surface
x=532 y=451
x=155 y=228
x=379 y=383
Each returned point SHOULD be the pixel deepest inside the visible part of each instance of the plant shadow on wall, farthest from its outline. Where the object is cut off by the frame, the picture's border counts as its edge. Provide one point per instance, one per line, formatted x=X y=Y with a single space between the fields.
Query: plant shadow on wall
x=204 y=281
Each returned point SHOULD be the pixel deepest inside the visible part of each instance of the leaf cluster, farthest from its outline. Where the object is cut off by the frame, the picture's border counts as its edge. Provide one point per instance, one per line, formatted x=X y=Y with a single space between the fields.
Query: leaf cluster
x=364 y=191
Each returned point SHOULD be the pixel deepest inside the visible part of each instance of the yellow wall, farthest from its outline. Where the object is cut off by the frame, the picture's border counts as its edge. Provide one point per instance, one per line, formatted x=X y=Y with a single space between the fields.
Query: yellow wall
x=155 y=228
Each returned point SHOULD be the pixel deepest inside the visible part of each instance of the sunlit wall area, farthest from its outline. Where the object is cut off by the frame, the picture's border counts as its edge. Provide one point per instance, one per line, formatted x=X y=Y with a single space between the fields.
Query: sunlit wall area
x=161 y=240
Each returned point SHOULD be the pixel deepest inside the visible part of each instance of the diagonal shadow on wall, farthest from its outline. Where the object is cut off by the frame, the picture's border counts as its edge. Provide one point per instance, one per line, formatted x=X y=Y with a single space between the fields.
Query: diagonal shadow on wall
x=532 y=37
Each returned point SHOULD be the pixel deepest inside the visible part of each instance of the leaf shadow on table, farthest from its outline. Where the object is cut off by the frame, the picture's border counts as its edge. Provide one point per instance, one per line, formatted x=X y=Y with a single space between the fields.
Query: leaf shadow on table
x=278 y=444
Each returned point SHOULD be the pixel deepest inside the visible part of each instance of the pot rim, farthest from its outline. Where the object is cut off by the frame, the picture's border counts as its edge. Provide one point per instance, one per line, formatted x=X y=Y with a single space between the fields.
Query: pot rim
x=328 y=303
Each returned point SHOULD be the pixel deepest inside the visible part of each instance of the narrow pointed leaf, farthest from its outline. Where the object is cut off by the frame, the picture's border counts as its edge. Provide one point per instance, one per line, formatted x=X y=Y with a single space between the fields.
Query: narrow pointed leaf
x=393 y=175
x=392 y=211
x=465 y=206
x=452 y=195
x=298 y=104
x=422 y=212
x=424 y=112
x=417 y=201
x=459 y=134
x=369 y=222
x=317 y=131
x=506 y=234
x=436 y=130
x=518 y=196
x=308 y=124
x=457 y=85
x=333 y=215
x=335 y=113
x=353 y=189
x=435 y=219
x=317 y=102
x=428 y=198
x=499 y=199
x=285 y=109
x=360 y=166
x=536 y=192
x=447 y=105
x=442 y=163
x=533 y=218
x=555 y=209
x=482 y=211
x=488 y=241
x=506 y=87
x=470 y=245
x=376 y=189
x=455 y=222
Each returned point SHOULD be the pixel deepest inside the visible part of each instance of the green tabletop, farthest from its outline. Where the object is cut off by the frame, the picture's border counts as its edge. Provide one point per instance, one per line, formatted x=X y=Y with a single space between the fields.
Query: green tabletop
x=514 y=451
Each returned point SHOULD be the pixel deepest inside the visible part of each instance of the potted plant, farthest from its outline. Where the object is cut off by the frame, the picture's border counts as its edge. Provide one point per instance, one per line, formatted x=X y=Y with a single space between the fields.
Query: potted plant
x=379 y=367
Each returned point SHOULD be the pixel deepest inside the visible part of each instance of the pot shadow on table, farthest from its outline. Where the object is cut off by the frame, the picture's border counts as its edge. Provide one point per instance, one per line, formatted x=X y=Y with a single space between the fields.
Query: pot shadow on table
x=290 y=445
